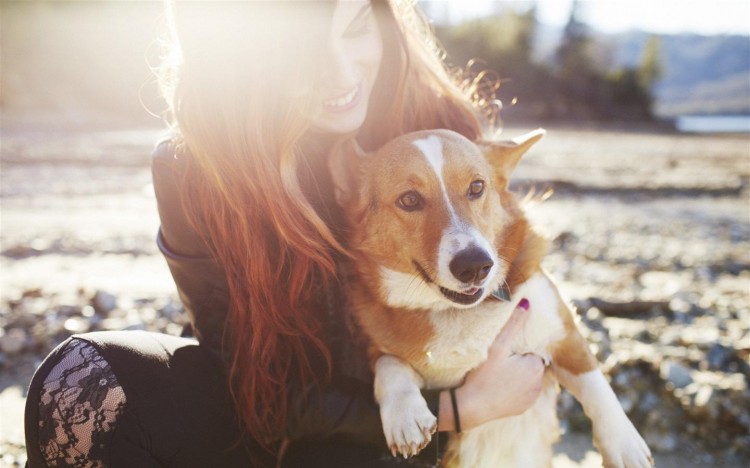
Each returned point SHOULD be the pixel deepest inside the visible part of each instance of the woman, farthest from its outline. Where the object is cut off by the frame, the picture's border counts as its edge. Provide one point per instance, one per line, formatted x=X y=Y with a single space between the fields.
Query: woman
x=259 y=91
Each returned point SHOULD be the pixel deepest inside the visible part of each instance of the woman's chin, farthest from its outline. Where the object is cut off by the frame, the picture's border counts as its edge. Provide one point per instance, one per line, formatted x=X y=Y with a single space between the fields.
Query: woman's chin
x=340 y=123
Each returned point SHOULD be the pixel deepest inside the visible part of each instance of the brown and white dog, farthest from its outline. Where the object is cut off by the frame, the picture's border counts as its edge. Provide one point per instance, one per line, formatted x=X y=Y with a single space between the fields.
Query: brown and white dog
x=435 y=234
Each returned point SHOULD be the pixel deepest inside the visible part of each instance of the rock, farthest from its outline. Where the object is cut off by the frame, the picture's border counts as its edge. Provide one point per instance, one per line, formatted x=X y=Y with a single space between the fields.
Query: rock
x=173 y=329
x=172 y=310
x=649 y=402
x=661 y=441
x=35 y=305
x=148 y=314
x=104 y=302
x=88 y=311
x=68 y=310
x=129 y=320
x=110 y=324
x=139 y=326
x=12 y=341
x=676 y=374
x=76 y=325
x=626 y=402
x=703 y=397
x=21 y=318
x=54 y=324
x=35 y=292
x=702 y=334
x=670 y=337
x=593 y=314
x=623 y=328
x=681 y=309
x=718 y=356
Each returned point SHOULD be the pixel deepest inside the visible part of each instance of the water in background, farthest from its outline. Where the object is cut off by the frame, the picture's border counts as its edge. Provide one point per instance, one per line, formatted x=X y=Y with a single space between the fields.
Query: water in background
x=714 y=123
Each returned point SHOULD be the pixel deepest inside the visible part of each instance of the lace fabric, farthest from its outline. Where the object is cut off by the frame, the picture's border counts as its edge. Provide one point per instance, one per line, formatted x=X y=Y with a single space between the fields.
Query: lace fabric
x=80 y=403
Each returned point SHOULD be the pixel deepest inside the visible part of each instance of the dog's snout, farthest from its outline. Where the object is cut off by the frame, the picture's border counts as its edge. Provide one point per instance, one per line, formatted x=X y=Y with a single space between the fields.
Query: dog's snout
x=471 y=265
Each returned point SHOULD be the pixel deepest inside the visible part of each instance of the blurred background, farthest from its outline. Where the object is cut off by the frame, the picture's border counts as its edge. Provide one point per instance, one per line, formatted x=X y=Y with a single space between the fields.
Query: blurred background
x=647 y=159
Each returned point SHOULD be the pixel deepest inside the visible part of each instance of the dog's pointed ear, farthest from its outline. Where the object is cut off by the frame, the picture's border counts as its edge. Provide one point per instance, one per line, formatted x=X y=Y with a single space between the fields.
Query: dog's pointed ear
x=345 y=164
x=505 y=155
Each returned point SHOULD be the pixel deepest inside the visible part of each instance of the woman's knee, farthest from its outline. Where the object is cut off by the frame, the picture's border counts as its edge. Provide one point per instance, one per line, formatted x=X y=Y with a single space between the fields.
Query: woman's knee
x=166 y=397
x=73 y=406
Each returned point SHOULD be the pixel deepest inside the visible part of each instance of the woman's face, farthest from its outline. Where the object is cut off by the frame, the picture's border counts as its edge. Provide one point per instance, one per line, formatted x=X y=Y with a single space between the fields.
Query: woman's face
x=349 y=68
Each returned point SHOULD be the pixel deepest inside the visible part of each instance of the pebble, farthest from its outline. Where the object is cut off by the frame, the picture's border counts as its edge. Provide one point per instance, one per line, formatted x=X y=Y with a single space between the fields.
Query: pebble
x=104 y=302
x=718 y=356
x=680 y=305
x=678 y=373
x=701 y=336
x=76 y=325
x=704 y=402
x=13 y=341
x=661 y=442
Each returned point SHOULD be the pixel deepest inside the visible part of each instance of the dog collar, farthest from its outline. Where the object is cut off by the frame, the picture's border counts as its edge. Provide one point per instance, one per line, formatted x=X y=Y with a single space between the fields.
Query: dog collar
x=502 y=293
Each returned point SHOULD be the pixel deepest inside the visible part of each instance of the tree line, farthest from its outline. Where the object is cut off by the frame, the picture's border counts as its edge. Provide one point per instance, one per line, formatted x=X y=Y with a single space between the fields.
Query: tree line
x=573 y=85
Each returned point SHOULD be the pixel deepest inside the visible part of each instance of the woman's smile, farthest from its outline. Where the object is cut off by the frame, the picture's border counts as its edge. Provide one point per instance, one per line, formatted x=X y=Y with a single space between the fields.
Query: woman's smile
x=349 y=69
x=344 y=102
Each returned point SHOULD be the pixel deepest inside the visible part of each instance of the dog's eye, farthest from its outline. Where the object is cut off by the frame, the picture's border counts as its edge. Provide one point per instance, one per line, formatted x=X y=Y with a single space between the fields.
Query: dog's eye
x=410 y=201
x=476 y=189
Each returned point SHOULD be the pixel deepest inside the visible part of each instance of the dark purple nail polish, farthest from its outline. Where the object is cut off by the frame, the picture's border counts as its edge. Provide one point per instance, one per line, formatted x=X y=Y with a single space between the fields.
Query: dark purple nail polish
x=524 y=304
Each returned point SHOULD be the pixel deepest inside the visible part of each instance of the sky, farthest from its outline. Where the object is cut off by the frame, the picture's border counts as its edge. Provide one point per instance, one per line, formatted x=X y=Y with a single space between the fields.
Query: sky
x=611 y=16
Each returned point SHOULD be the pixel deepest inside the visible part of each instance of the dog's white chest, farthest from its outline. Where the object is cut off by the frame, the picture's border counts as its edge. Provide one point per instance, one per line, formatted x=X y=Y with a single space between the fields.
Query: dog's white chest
x=461 y=342
x=463 y=336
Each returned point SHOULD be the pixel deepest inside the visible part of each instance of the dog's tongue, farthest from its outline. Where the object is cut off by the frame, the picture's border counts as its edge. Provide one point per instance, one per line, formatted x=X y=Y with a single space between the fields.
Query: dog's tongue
x=470 y=292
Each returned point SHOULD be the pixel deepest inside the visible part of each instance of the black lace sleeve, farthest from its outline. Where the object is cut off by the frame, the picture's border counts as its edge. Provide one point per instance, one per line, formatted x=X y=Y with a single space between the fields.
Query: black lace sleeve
x=80 y=403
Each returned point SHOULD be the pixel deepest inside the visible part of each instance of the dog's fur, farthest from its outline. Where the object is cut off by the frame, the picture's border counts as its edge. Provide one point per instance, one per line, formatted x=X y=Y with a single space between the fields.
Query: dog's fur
x=434 y=231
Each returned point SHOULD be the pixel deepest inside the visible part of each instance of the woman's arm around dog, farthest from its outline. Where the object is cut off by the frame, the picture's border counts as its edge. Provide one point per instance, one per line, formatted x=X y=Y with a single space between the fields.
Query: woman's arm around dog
x=488 y=393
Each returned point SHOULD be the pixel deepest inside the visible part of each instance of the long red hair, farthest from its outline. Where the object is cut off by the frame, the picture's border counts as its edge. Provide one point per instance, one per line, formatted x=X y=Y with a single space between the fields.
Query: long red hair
x=248 y=147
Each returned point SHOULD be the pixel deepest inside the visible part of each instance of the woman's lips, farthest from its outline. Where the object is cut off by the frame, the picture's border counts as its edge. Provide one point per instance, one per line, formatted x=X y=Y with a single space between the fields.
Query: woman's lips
x=344 y=102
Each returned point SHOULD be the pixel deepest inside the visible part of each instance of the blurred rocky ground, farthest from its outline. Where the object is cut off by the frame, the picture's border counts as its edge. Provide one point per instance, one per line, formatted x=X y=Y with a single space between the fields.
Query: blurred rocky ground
x=650 y=240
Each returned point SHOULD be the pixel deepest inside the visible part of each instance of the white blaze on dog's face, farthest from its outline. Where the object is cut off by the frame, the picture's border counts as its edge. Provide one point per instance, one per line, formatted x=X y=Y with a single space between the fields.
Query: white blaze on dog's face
x=426 y=216
x=466 y=264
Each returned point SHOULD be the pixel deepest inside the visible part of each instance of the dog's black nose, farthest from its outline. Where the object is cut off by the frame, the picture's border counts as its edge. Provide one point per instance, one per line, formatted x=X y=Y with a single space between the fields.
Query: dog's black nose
x=472 y=264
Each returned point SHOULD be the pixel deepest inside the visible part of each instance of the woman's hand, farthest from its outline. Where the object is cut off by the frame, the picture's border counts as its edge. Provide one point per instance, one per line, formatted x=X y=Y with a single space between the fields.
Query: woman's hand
x=505 y=385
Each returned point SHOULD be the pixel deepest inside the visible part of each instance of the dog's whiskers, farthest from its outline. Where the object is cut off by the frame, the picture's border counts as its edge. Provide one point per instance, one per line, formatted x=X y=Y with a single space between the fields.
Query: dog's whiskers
x=413 y=288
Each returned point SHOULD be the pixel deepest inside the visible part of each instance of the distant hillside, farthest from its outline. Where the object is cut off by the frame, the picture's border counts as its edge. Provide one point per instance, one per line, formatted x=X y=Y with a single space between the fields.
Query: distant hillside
x=702 y=74
x=83 y=62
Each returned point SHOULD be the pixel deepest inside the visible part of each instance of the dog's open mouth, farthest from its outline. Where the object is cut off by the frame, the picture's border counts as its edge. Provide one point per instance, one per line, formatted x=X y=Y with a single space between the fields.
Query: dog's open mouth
x=466 y=298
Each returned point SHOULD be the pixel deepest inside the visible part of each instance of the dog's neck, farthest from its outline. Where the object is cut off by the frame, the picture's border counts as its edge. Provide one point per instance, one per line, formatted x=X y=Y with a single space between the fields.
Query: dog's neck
x=524 y=249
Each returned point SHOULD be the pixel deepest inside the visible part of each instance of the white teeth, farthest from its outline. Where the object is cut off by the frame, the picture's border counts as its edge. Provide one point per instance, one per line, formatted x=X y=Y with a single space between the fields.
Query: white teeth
x=342 y=101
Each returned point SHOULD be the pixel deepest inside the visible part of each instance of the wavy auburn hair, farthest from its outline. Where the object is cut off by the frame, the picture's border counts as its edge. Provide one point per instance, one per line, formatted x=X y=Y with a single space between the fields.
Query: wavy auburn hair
x=236 y=78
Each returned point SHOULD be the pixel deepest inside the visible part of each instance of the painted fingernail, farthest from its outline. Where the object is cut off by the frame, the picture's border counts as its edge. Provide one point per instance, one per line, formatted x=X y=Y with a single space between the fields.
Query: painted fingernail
x=524 y=304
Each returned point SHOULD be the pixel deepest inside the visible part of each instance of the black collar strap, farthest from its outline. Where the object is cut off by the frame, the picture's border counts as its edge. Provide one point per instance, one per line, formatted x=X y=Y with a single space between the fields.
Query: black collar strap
x=502 y=293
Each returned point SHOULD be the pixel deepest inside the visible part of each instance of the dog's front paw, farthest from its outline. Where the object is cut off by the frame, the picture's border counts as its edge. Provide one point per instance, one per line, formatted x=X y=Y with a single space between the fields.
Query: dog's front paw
x=408 y=425
x=622 y=447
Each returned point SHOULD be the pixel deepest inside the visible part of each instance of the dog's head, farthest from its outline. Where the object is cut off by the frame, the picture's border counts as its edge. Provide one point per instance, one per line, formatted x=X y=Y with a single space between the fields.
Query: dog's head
x=432 y=224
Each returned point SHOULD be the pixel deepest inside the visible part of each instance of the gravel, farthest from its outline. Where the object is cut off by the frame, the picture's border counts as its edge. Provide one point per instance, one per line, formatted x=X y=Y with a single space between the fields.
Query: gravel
x=658 y=269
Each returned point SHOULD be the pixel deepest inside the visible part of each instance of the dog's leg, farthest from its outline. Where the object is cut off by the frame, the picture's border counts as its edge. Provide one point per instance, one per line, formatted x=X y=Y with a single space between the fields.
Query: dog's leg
x=407 y=422
x=615 y=436
x=577 y=370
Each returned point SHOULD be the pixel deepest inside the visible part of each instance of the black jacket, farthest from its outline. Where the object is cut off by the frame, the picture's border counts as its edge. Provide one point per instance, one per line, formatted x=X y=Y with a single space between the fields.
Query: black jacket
x=346 y=411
